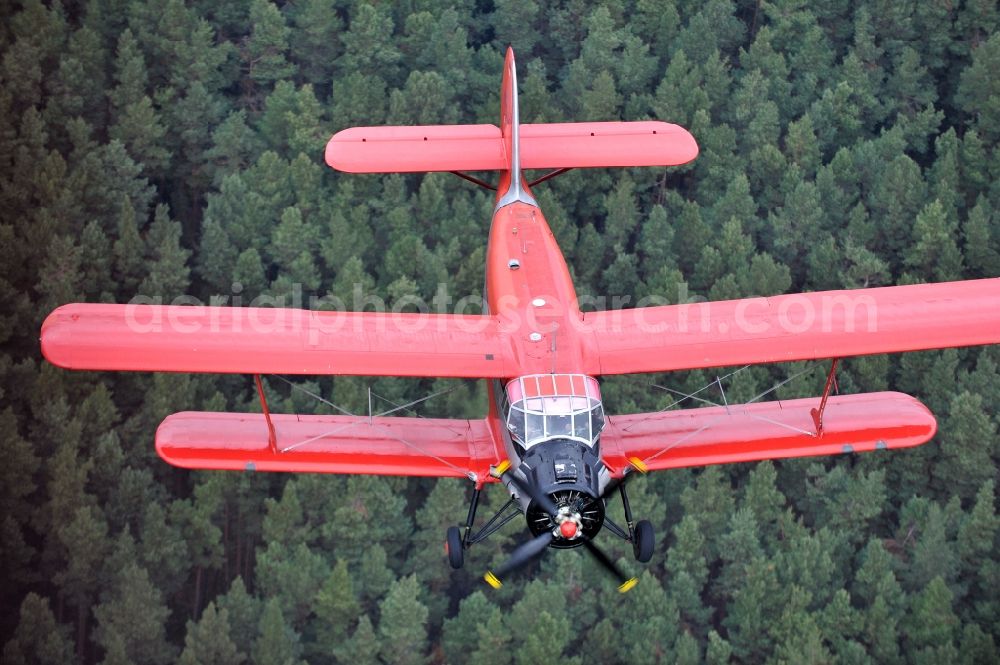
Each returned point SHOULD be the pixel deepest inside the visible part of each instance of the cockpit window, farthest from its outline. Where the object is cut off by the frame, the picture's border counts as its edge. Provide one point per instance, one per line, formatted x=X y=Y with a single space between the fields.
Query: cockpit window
x=546 y=406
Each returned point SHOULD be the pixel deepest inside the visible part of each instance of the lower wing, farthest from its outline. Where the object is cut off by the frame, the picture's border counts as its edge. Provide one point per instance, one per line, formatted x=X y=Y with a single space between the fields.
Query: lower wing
x=329 y=444
x=766 y=430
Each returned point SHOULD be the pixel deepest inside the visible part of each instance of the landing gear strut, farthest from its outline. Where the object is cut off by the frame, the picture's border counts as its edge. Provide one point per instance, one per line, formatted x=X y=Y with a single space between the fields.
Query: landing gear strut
x=640 y=533
x=459 y=541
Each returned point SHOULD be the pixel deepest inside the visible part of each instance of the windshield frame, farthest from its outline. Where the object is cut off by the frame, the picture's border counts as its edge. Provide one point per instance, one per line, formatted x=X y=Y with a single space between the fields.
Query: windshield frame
x=541 y=407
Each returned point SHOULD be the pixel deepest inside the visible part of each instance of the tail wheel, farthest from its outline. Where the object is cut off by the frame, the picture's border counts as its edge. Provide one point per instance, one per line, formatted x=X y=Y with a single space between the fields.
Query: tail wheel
x=644 y=541
x=453 y=546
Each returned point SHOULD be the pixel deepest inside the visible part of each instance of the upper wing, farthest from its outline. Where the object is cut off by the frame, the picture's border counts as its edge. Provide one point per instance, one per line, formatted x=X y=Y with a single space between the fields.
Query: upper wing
x=329 y=444
x=249 y=340
x=825 y=324
x=766 y=430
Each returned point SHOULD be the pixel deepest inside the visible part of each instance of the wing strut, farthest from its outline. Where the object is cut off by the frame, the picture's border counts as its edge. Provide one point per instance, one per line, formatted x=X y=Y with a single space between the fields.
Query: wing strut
x=272 y=437
x=831 y=382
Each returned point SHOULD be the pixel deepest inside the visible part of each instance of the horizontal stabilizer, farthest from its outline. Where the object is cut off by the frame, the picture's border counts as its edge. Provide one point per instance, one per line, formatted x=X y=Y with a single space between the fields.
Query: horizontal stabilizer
x=396 y=149
x=328 y=444
x=767 y=430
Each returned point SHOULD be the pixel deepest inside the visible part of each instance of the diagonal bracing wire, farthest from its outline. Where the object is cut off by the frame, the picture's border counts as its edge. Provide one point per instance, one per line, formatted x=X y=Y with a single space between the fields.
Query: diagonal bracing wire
x=296 y=386
x=386 y=431
x=721 y=417
x=685 y=396
x=406 y=407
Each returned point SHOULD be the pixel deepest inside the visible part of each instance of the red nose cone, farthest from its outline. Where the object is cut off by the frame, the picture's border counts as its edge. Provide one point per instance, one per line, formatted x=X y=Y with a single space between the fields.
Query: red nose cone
x=567 y=529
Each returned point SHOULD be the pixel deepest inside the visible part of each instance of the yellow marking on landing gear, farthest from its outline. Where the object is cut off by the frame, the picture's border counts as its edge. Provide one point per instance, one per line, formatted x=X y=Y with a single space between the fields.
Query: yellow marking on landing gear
x=500 y=468
x=492 y=580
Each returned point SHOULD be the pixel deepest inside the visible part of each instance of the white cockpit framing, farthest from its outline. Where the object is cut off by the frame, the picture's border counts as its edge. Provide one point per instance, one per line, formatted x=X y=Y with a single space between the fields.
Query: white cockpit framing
x=540 y=407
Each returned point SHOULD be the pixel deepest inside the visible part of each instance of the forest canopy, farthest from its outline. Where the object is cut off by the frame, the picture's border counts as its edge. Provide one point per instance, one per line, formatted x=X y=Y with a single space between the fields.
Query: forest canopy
x=175 y=148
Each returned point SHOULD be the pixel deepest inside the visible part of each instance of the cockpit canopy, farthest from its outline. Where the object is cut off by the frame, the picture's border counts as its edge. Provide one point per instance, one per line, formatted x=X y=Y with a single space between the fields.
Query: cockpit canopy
x=545 y=406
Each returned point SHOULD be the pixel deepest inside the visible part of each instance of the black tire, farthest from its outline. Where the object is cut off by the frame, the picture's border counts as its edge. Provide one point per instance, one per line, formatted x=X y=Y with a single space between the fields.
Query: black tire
x=644 y=541
x=453 y=546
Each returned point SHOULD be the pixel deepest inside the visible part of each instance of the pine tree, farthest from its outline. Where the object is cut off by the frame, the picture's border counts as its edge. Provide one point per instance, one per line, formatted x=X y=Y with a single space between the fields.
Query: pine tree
x=235 y=146
x=710 y=502
x=402 y=627
x=475 y=613
x=977 y=532
x=368 y=44
x=358 y=98
x=289 y=574
x=316 y=44
x=432 y=519
x=966 y=458
x=935 y=254
x=264 y=58
x=82 y=538
x=363 y=647
x=719 y=650
x=243 y=612
x=982 y=243
x=978 y=89
x=930 y=625
x=336 y=608
x=38 y=637
x=249 y=273
x=168 y=271
x=539 y=612
x=208 y=642
x=740 y=548
x=135 y=122
x=933 y=556
x=161 y=549
x=128 y=250
x=276 y=643
x=133 y=618
x=203 y=540
x=689 y=573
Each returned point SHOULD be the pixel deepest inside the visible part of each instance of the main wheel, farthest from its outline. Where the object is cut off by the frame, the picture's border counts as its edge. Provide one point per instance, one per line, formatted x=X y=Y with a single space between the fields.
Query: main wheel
x=453 y=546
x=644 y=541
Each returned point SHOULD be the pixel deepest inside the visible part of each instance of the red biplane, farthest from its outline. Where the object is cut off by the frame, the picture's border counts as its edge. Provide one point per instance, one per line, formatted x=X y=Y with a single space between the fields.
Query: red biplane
x=546 y=436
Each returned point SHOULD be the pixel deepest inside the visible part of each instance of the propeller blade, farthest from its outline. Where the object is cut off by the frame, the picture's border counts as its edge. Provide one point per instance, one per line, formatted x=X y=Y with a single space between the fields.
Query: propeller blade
x=522 y=555
x=626 y=582
x=538 y=496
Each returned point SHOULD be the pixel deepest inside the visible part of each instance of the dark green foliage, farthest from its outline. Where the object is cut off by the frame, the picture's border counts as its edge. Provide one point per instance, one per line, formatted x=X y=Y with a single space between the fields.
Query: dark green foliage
x=209 y=641
x=175 y=148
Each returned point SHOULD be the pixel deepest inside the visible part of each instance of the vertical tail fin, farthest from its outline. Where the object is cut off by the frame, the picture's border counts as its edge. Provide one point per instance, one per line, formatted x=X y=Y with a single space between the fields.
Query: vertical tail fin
x=512 y=186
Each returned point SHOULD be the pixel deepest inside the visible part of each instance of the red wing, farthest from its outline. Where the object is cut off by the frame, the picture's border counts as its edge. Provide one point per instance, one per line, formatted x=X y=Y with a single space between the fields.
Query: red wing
x=248 y=340
x=329 y=444
x=766 y=430
x=825 y=324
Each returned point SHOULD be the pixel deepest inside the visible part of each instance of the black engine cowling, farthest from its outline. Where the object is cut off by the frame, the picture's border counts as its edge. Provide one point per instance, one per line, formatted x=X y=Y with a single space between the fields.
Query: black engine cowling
x=570 y=473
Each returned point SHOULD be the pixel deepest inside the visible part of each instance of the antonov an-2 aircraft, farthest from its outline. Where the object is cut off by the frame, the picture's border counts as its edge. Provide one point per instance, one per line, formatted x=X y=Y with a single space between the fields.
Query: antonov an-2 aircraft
x=547 y=436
